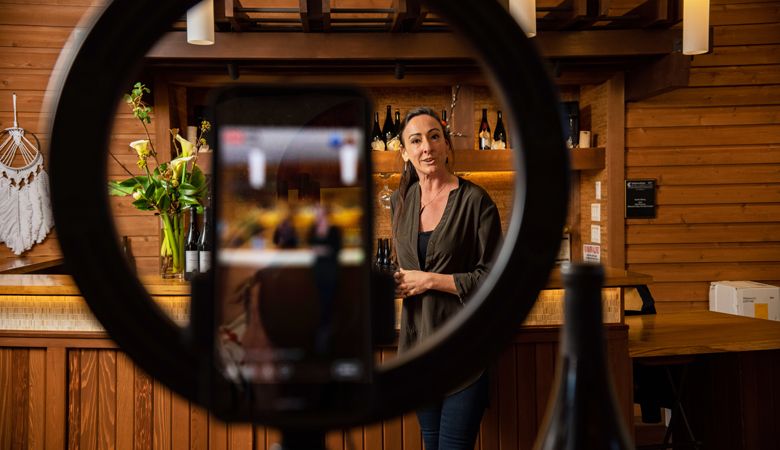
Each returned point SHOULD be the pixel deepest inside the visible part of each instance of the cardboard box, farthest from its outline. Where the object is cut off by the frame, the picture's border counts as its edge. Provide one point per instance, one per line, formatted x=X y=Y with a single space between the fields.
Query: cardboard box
x=745 y=298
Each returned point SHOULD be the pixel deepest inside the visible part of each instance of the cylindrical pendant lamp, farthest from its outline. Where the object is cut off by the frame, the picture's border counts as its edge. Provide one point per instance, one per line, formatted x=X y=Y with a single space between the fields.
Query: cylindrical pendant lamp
x=200 y=23
x=524 y=12
x=696 y=27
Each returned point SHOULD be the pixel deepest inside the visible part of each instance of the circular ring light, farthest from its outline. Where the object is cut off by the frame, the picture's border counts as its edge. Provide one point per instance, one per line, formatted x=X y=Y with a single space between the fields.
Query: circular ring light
x=98 y=71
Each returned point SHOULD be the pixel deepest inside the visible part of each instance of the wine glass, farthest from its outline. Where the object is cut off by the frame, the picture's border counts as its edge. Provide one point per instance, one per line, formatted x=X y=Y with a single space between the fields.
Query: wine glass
x=385 y=193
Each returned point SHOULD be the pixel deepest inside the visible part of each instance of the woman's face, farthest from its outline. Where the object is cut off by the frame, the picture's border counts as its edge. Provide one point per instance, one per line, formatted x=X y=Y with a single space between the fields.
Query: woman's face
x=425 y=145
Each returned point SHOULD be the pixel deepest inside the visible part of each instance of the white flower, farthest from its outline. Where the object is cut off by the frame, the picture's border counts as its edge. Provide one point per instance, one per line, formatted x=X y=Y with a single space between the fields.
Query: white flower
x=141 y=147
x=187 y=147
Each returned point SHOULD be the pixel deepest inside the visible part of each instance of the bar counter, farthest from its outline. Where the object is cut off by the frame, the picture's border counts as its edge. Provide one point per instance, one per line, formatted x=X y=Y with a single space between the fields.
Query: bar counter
x=70 y=385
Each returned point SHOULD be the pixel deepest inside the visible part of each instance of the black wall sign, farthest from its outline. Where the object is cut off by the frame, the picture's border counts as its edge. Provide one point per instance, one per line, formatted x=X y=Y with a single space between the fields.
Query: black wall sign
x=640 y=199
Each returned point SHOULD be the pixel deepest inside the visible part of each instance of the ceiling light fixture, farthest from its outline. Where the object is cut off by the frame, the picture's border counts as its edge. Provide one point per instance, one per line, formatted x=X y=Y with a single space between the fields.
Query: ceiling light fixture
x=696 y=27
x=200 y=23
x=524 y=12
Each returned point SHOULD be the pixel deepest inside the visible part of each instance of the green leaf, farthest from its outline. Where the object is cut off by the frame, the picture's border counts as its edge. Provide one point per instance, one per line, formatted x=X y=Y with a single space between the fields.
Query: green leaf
x=164 y=203
x=115 y=189
x=143 y=205
x=188 y=189
x=158 y=194
x=135 y=181
x=197 y=178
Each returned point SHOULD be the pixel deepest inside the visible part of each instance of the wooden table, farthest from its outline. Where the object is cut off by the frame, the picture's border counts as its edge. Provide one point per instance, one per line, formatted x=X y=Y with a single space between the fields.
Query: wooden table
x=695 y=333
x=732 y=390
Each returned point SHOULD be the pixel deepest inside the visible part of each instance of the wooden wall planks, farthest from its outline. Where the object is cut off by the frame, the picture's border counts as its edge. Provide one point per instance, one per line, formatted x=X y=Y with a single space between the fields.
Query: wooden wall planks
x=713 y=147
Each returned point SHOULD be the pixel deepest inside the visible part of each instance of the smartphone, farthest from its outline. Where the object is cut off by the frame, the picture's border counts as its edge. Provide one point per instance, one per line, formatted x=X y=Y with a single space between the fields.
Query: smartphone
x=291 y=277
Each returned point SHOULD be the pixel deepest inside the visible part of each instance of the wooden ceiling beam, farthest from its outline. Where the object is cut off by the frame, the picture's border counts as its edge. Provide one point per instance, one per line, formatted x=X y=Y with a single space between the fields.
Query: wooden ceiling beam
x=662 y=75
x=570 y=14
x=408 y=46
x=315 y=15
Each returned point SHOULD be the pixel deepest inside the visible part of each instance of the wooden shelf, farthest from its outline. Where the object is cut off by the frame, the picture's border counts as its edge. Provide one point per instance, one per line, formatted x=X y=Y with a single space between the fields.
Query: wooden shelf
x=492 y=160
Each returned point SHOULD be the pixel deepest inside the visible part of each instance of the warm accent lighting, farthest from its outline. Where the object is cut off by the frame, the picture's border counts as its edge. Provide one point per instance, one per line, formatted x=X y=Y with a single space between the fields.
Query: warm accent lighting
x=524 y=12
x=696 y=27
x=200 y=23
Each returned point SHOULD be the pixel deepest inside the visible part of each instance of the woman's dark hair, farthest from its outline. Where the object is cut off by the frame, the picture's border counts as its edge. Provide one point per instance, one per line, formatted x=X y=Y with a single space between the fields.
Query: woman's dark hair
x=408 y=174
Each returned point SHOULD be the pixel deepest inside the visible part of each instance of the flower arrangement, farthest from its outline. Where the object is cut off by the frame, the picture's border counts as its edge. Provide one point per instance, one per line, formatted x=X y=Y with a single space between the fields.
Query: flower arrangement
x=168 y=187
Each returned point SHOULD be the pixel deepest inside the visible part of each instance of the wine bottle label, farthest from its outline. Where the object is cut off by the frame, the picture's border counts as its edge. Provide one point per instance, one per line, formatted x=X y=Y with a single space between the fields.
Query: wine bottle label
x=498 y=144
x=205 y=260
x=394 y=144
x=484 y=140
x=191 y=261
x=378 y=144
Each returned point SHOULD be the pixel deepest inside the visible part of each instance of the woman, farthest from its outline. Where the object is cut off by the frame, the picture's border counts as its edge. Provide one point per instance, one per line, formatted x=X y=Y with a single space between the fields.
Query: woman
x=446 y=230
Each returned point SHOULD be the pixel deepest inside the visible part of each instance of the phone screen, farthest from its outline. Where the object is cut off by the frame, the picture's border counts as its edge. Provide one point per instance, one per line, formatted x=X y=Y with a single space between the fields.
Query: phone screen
x=292 y=234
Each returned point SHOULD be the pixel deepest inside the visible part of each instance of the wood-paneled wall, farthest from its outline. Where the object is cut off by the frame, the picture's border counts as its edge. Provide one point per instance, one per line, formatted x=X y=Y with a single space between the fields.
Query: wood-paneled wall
x=32 y=33
x=714 y=148
x=78 y=392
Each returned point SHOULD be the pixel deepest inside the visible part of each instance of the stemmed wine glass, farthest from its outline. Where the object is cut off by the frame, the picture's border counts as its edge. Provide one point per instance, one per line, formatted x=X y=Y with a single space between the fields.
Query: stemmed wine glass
x=385 y=193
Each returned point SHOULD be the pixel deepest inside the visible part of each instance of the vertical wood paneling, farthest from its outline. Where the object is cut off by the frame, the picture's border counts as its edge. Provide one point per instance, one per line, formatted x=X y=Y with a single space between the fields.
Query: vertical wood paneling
x=6 y=394
x=545 y=375
x=180 y=423
x=21 y=393
x=272 y=436
x=239 y=437
x=528 y=418
x=125 y=393
x=199 y=428
x=37 y=400
x=507 y=402
x=142 y=423
x=218 y=438
x=107 y=410
x=334 y=440
x=412 y=438
x=372 y=436
x=161 y=436
x=489 y=428
x=89 y=400
x=74 y=400
x=354 y=439
x=56 y=397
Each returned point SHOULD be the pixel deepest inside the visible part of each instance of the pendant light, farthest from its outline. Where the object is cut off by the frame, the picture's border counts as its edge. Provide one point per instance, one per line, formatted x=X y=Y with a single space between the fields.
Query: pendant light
x=524 y=12
x=200 y=23
x=696 y=27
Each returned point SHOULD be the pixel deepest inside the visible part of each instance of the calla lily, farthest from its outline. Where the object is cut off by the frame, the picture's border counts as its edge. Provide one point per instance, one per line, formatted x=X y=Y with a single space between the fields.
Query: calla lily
x=141 y=147
x=178 y=164
x=187 y=147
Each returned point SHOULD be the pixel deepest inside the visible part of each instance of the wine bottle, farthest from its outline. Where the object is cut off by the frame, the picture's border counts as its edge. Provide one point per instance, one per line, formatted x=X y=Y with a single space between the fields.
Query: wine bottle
x=499 y=136
x=387 y=127
x=444 y=122
x=583 y=412
x=205 y=244
x=127 y=251
x=377 y=142
x=484 y=132
x=390 y=266
x=191 y=254
x=379 y=254
x=394 y=143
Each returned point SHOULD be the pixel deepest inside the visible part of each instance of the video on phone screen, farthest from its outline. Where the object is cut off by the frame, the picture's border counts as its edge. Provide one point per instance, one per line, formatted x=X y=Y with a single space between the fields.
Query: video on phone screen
x=290 y=254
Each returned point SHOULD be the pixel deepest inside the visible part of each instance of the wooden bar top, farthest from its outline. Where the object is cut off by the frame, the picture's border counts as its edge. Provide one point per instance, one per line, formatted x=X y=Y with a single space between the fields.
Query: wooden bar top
x=27 y=264
x=694 y=333
x=64 y=285
x=33 y=284
x=612 y=278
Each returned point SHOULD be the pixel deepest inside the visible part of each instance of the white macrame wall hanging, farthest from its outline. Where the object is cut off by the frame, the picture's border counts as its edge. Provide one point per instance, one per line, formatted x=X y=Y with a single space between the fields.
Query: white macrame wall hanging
x=25 y=206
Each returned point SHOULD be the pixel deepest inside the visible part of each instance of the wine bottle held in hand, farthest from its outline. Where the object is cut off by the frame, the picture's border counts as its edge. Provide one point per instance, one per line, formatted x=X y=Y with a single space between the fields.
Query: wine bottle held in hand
x=191 y=254
x=583 y=412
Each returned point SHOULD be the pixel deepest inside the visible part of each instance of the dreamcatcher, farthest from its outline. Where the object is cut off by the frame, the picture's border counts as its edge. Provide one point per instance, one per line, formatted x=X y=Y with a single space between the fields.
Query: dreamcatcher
x=25 y=207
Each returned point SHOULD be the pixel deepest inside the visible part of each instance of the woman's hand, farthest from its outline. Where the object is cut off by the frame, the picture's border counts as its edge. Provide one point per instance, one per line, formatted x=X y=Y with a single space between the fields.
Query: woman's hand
x=411 y=282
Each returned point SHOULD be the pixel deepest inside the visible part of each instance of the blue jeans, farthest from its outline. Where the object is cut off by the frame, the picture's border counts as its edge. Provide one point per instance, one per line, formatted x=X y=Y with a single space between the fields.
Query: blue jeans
x=453 y=423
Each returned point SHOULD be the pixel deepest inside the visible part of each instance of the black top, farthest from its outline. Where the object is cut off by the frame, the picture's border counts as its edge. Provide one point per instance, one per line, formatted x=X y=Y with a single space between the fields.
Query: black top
x=422 y=246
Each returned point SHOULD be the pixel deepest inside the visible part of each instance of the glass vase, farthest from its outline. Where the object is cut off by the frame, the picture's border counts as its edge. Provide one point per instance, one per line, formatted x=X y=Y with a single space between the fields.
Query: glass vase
x=171 y=245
